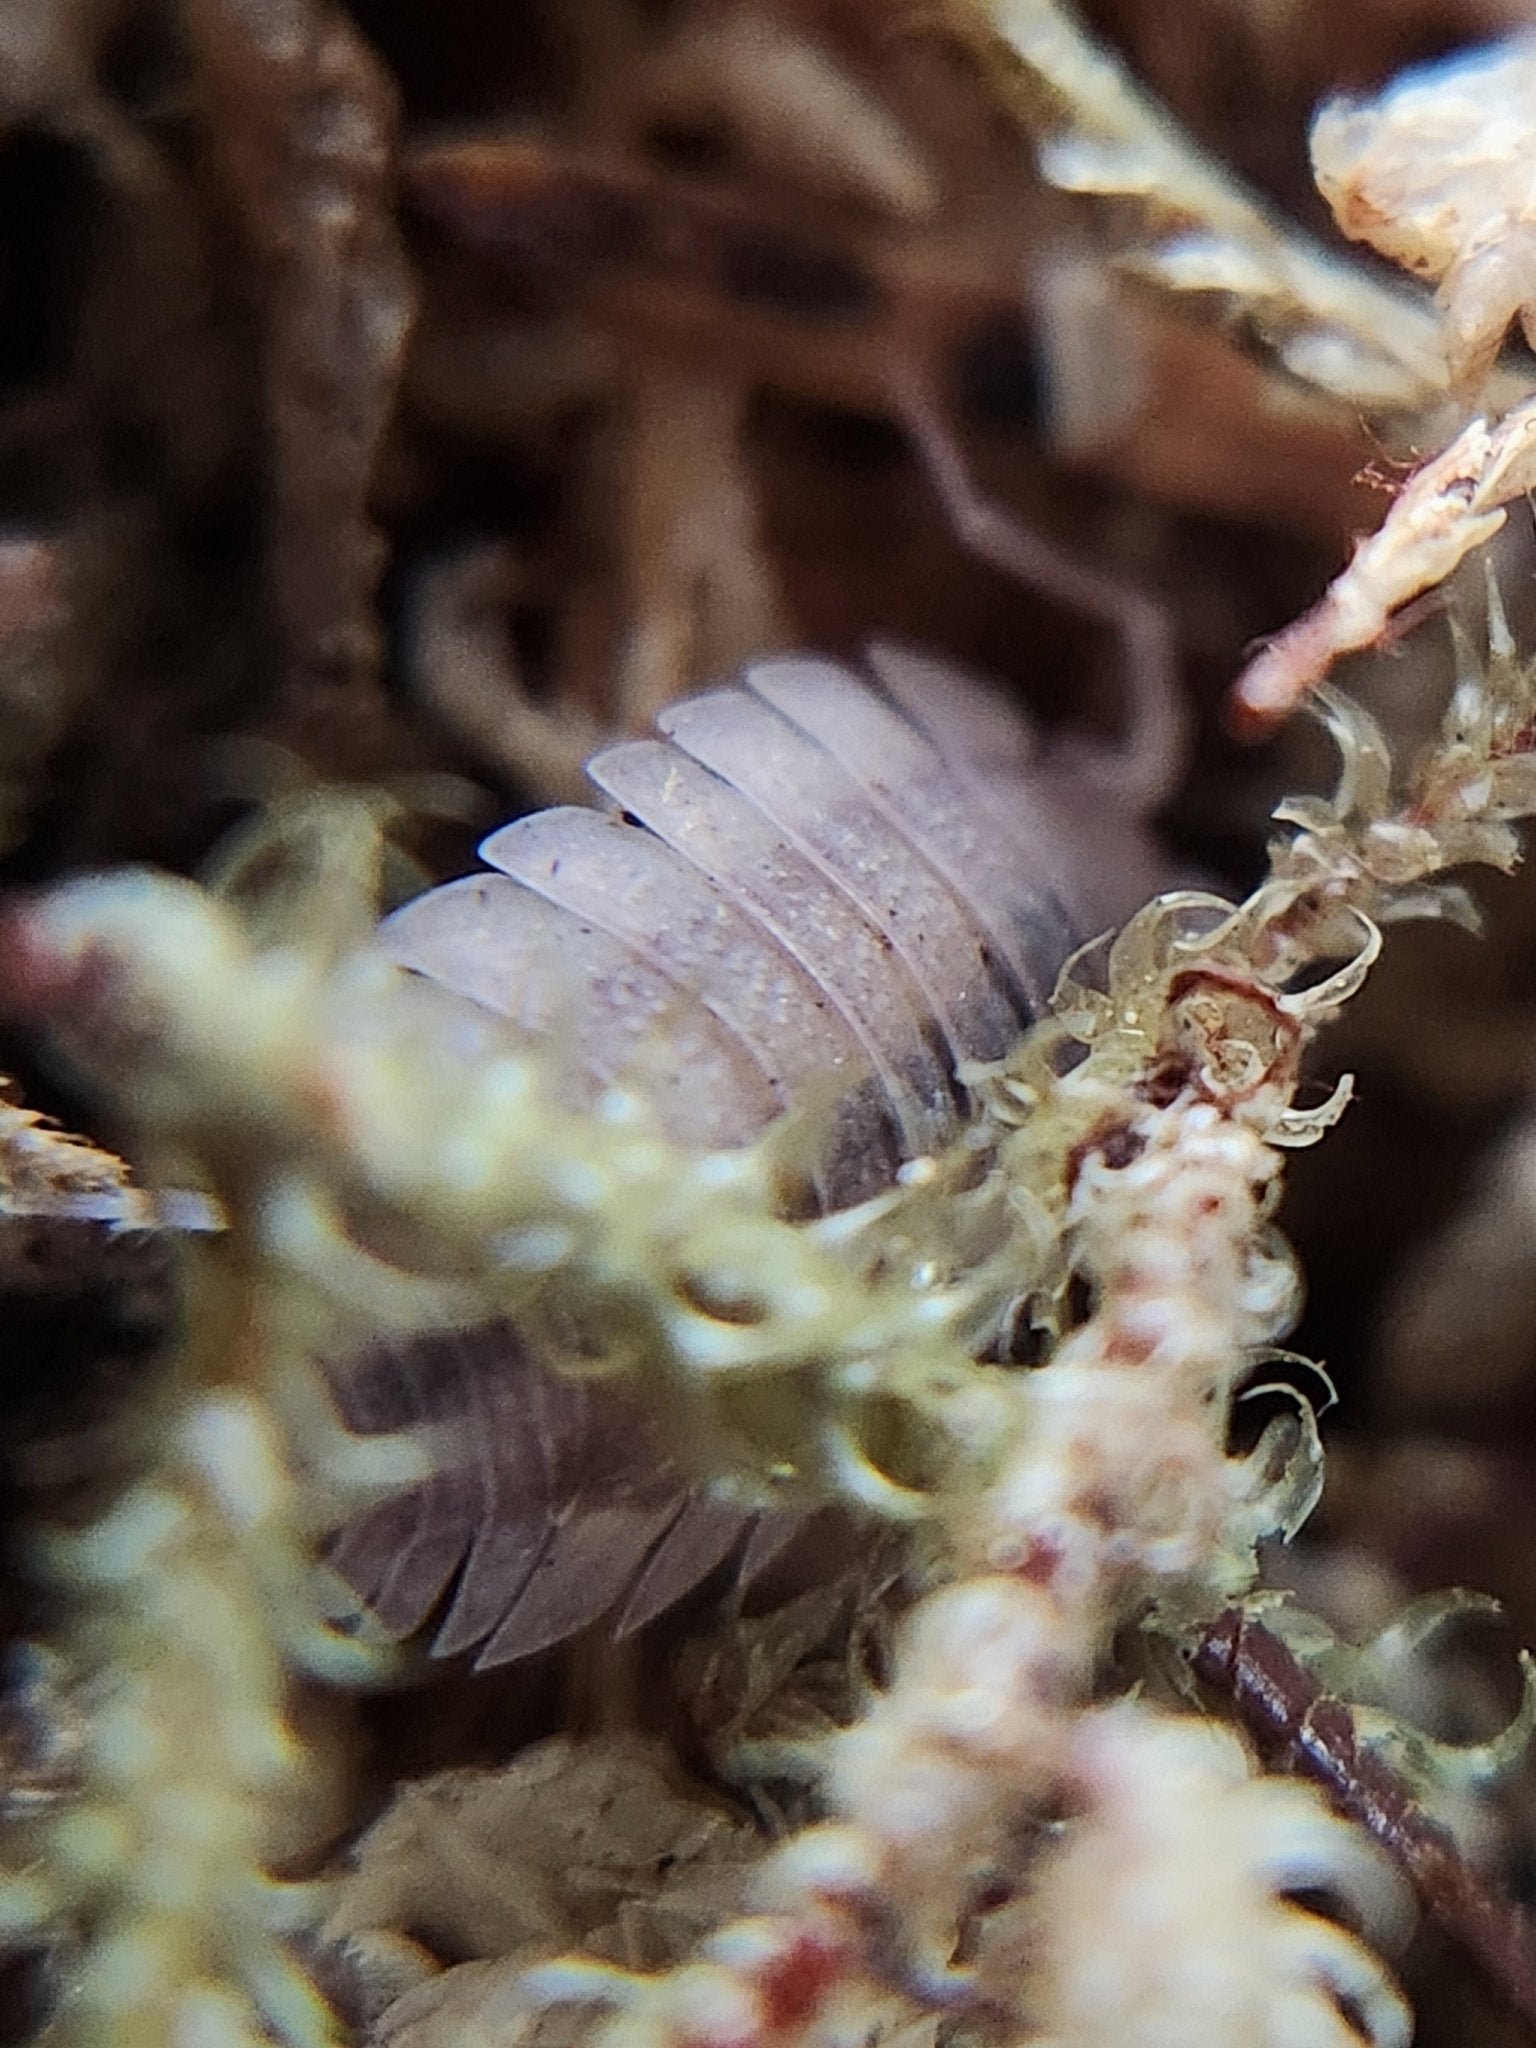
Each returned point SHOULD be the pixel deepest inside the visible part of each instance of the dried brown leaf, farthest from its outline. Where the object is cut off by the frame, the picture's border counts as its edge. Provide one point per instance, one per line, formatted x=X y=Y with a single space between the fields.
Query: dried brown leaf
x=596 y=1844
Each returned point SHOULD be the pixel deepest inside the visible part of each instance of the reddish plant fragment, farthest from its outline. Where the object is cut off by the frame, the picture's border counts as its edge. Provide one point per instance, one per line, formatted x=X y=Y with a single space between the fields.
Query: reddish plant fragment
x=1452 y=504
x=1293 y=1720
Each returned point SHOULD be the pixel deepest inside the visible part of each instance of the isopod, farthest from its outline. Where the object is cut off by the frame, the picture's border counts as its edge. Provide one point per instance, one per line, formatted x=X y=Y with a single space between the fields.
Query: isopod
x=853 y=881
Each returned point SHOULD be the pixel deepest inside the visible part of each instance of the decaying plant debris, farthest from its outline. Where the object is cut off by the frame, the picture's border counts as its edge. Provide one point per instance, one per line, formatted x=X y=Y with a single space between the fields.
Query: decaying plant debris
x=711 y=1467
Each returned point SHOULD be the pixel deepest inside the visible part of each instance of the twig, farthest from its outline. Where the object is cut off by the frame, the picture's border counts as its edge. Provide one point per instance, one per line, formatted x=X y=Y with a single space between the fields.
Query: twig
x=1289 y=1715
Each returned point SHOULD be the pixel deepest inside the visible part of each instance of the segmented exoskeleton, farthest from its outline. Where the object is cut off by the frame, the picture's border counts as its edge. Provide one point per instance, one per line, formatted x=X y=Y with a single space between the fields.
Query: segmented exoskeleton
x=819 y=886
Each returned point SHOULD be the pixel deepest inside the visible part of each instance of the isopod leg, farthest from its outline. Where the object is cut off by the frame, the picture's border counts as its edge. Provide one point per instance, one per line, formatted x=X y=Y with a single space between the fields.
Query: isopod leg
x=1144 y=767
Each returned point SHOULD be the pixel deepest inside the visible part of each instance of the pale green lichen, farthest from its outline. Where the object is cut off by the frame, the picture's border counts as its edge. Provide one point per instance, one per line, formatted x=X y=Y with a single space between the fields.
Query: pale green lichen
x=192 y=1613
x=1190 y=227
x=388 y=1159
x=384 y=1158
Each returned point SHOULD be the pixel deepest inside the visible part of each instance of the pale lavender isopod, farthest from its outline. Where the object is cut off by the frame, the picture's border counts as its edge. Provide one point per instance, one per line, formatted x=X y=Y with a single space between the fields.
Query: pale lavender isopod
x=820 y=875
